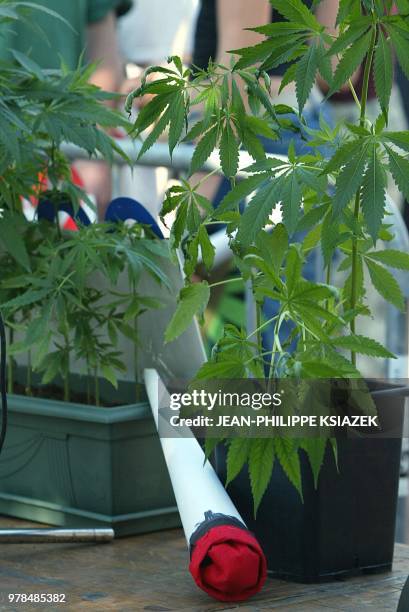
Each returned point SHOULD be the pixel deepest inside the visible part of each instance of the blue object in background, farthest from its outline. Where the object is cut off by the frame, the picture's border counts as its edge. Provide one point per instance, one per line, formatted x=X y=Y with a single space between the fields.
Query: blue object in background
x=122 y=209
x=48 y=211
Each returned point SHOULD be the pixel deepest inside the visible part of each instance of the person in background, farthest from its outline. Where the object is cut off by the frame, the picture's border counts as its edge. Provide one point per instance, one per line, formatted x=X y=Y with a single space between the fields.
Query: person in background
x=155 y=29
x=91 y=26
x=221 y=27
x=151 y=32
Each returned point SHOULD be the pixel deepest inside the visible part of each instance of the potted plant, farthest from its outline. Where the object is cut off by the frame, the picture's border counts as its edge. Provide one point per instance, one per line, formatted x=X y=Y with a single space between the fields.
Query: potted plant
x=80 y=447
x=321 y=506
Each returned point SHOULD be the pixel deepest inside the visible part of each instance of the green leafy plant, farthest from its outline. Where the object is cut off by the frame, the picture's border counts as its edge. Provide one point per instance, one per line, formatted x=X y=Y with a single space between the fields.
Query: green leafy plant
x=57 y=288
x=66 y=307
x=336 y=203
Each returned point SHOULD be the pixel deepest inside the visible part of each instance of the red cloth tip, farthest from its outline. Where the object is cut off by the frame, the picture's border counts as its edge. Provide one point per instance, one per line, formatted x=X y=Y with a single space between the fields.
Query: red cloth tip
x=228 y=563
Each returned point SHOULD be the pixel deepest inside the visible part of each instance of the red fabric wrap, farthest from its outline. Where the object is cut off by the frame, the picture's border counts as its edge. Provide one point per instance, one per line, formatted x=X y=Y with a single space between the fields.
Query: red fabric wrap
x=228 y=563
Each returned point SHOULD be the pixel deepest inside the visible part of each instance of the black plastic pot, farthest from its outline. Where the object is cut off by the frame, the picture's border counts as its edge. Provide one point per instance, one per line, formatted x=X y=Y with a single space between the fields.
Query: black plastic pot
x=344 y=527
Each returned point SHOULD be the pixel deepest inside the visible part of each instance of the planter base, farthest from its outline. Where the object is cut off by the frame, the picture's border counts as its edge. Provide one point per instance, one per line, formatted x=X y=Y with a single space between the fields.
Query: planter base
x=72 y=465
x=62 y=516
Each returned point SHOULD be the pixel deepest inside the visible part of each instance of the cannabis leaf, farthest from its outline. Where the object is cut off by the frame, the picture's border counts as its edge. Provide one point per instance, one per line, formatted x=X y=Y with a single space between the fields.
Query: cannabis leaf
x=351 y=59
x=374 y=193
x=385 y=284
x=261 y=462
x=363 y=345
x=236 y=457
x=193 y=300
x=383 y=72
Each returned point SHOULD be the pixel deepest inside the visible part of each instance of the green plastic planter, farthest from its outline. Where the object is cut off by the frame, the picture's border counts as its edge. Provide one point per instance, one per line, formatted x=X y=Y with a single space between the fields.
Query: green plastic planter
x=73 y=465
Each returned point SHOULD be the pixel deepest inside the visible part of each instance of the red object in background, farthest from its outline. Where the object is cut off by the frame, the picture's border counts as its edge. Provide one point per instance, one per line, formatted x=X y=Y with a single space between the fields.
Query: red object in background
x=228 y=563
x=30 y=204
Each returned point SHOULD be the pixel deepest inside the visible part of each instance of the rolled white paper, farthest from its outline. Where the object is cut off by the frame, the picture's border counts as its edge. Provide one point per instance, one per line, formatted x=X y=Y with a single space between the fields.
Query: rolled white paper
x=196 y=485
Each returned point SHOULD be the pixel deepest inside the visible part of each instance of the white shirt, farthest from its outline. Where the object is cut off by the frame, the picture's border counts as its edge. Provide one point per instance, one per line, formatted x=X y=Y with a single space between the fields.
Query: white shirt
x=154 y=29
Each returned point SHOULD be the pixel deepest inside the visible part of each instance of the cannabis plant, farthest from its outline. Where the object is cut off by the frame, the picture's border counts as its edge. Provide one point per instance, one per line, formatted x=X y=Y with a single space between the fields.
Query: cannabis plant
x=334 y=203
x=66 y=309
x=57 y=288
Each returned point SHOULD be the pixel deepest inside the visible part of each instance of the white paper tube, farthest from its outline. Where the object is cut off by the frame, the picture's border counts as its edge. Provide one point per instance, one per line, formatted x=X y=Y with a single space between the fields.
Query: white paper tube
x=195 y=483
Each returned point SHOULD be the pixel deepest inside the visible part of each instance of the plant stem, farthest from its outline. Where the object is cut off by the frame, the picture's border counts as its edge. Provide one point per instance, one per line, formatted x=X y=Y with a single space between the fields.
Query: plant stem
x=96 y=383
x=258 y=330
x=10 y=373
x=354 y=269
x=262 y=326
x=225 y=282
x=135 y=360
x=29 y=375
x=66 y=374
x=204 y=179
x=354 y=94
x=88 y=385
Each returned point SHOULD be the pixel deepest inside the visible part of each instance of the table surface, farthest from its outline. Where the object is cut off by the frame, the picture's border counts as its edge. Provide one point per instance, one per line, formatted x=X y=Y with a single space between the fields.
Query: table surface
x=149 y=573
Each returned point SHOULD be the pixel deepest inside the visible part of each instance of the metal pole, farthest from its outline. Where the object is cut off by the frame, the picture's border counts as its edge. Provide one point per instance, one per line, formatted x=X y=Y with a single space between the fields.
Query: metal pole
x=55 y=536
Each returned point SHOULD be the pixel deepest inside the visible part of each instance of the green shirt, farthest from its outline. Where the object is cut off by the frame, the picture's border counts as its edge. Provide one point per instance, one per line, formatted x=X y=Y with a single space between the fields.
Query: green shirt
x=56 y=38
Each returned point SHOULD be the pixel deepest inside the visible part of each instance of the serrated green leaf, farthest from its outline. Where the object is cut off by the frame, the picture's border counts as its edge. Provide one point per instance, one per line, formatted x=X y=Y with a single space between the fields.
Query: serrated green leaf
x=383 y=72
x=329 y=239
x=349 y=62
x=236 y=457
x=258 y=211
x=400 y=139
x=261 y=462
x=229 y=152
x=29 y=297
x=341 y=156
x=374 y=194
x=293 y=269
x=324 y=63
x=392 y=258
x=291 y=202
x=401 y=47
x=362 y=345
x=151 y=112
x=287 y=454
x=210 y=445
x=344 y=40
x=312 y=238
x=399 y=168
x=109 y=374
x=204 y=149
x=260 y=127
x=296 y=11
x=273 y=246
x=288 y=77
x=155 y=133
x=315 y=448
x=177 y=121
x=53 y=368
x=385 y=284
x=312 y=217
x=28 y=64
x=346 y=8
x=232 y=368
x=13 y=240
x=192 y=301
x=349 y=180
x=305 y=75
x=207 y=248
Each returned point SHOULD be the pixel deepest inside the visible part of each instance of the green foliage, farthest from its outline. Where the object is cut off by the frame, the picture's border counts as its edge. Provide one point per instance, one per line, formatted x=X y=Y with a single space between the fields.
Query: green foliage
x=269 y=255
x=193 y=300
x=47 y=291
